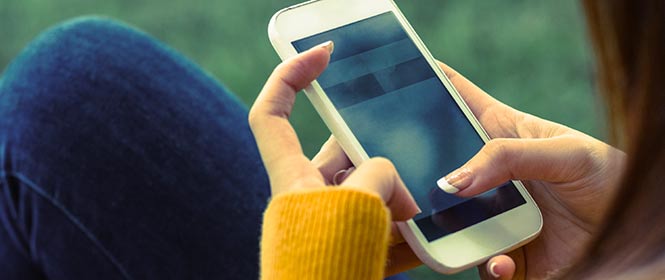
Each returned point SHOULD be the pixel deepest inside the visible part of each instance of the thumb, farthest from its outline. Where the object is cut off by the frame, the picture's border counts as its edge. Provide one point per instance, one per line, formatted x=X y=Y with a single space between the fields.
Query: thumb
x=556 y=160
x=499 y=267
x=380 y=176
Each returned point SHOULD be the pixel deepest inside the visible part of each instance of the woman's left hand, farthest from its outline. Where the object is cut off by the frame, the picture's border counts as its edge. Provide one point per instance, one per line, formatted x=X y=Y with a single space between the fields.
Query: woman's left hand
x=336 y=167
x=290 y=170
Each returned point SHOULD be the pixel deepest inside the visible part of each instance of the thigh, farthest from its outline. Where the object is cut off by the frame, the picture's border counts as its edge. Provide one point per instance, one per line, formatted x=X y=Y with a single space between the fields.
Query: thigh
x=121 y=159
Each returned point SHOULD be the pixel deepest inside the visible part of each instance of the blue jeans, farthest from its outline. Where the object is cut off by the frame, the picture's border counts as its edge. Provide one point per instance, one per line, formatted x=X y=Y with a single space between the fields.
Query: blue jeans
x=123 y=160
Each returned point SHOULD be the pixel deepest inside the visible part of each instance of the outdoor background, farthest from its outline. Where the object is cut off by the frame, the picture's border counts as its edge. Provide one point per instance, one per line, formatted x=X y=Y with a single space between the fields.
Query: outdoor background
x=532 y=55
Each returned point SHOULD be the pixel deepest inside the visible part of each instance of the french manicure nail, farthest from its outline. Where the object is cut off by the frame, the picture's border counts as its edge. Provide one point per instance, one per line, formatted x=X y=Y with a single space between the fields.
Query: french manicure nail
x=347 y=173
x=329 y=46
x=455 y=181
x=341 y=175
x=445 y=186
x=492 y=270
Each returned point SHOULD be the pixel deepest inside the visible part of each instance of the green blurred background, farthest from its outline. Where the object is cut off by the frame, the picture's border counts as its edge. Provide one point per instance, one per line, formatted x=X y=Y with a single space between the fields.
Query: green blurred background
x=532 y=55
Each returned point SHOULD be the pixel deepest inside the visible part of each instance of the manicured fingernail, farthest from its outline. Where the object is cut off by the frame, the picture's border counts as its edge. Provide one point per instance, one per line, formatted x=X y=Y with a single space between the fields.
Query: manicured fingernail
x=492 y=270
x=341 y=175
x=445 y=186
x=329 y=46
x=346 y=174
x=455 y=181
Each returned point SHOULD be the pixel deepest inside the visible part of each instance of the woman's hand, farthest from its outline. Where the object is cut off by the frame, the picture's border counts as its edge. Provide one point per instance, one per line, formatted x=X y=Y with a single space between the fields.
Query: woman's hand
x=570 y=175
x=335 y=166
x=287 y=166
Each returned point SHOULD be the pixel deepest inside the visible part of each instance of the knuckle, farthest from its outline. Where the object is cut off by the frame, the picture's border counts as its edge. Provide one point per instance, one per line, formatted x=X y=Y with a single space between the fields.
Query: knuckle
x=291 y=72
x=587 y=153
x=495 y=149
x=382 y=163
x=254 y=118
x=251 y=117
x=501 y=152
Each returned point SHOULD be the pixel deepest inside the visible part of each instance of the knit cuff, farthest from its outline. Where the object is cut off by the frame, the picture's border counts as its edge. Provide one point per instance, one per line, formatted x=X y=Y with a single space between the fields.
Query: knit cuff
x=325 y=233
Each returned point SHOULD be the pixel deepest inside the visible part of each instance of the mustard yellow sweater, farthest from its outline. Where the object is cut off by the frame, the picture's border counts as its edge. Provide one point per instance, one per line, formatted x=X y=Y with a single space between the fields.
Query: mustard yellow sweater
x=325 y=233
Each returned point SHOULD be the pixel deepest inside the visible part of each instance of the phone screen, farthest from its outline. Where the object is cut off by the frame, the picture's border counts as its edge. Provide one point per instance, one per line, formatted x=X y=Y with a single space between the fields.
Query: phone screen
x=397 y=108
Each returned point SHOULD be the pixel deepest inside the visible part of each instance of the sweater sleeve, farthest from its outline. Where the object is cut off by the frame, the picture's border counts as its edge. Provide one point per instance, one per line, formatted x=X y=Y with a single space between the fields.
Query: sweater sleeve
x=325 y=233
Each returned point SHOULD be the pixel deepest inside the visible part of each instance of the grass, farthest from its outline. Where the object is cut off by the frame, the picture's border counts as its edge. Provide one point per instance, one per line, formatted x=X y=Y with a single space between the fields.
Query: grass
x=532 y=55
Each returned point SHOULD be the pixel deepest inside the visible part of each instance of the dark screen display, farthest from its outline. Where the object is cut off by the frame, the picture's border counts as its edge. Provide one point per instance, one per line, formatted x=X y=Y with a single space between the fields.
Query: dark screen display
x=397 y=108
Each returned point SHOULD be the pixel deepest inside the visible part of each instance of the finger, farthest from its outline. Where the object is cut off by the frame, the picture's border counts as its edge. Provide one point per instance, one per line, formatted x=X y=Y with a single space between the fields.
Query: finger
x=555 y=160
x=520 y=263
x=499 y=267
x=401 y=258
x=476 y=98
x=331 y=159
x=341 y=175
x=268 y=117
x=486 y=109
x=380 y=176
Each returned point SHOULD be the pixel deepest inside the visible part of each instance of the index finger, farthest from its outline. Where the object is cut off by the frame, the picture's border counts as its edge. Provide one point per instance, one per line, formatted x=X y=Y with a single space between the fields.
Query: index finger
x=477 y=99
x=268 y=117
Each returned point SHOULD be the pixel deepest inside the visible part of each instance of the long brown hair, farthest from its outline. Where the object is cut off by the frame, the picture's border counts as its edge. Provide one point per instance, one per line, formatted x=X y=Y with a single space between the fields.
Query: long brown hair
x=629 y=41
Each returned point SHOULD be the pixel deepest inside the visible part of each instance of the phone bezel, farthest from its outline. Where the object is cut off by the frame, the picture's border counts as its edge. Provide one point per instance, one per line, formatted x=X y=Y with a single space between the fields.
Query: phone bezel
x=453 y=252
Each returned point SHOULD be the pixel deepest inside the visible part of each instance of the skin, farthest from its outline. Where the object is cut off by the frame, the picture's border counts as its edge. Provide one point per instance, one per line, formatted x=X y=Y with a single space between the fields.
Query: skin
x=289 y=169
x=572 y=176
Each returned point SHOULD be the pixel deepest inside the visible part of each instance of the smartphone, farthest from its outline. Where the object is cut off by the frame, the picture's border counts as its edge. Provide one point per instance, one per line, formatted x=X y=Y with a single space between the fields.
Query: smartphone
x=384 y=95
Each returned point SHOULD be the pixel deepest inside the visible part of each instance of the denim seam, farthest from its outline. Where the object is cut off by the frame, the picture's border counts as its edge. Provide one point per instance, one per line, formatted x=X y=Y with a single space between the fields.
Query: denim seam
x=33 y=186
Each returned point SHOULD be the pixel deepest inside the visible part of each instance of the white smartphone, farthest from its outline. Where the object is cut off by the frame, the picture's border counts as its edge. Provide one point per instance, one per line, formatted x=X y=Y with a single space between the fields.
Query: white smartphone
x=383 y=95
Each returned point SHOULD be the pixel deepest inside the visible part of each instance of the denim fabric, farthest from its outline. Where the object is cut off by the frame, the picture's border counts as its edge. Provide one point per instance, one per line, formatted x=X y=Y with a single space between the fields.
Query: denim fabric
x=122 y=160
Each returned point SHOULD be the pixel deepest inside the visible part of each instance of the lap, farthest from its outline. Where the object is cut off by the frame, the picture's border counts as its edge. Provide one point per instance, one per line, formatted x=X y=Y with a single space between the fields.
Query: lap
x=120 y=156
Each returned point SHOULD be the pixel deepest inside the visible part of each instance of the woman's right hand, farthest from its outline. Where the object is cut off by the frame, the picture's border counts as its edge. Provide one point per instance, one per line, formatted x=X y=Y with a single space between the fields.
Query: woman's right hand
x=571 y=175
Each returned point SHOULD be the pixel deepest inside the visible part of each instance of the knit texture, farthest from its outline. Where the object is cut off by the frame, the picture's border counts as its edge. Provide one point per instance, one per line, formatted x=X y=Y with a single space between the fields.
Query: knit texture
x=325 y=233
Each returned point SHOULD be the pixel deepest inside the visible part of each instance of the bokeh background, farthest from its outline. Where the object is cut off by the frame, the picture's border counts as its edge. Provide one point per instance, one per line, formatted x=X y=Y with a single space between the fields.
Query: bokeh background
x=531 y=54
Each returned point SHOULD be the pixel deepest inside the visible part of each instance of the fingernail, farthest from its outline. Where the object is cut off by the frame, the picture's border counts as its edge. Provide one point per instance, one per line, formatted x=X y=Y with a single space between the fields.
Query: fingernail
x=455 y=181
x=341 y=175
x=445 y=186
x=492 y=270
x=346 y=174
x=329 y=46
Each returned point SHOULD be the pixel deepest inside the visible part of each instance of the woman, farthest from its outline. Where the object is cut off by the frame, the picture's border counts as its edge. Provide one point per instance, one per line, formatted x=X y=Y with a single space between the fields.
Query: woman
x=596 y=225
x=123 y=160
